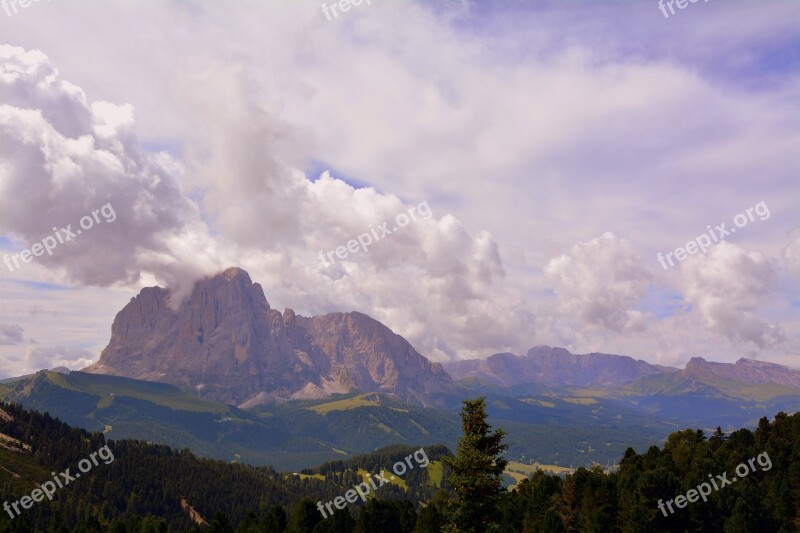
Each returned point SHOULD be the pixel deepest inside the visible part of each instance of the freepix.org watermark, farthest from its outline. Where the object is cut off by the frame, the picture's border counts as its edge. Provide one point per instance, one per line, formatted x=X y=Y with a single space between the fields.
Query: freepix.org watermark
x=343 y=5
x=363 y=489
x=375 y=234
x=60 y=236
x=8 y=5
x=703 y=490
x=682 y=4
x=61 y=480
x=718 y=233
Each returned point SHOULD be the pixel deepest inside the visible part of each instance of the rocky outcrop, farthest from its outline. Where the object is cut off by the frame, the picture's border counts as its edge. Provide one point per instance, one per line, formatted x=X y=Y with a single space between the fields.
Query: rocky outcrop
x=192 y=513
x=228 y=344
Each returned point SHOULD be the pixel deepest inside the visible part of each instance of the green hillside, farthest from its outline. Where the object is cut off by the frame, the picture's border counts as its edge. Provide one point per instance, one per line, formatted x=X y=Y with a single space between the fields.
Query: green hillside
x=147 y=479
x=158 y=393
x=566 y=429
x=289 y=437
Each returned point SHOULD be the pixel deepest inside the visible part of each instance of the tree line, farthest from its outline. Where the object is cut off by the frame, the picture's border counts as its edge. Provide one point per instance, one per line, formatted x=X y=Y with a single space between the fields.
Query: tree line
x=142 y=489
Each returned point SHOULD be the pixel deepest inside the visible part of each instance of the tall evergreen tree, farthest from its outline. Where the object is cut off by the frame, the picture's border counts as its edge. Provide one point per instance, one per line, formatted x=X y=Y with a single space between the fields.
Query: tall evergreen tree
x=476 y=472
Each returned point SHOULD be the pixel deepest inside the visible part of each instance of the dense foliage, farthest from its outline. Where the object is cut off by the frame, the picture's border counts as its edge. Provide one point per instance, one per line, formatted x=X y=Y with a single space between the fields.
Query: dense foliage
x=141 y=490
x=147 y=480
x=627 y=500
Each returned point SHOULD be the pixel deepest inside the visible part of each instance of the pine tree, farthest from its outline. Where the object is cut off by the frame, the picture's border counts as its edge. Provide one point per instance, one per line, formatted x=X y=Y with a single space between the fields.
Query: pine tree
x=476 y=472
x=304 y=517
x=276 y=520
x=220 y=523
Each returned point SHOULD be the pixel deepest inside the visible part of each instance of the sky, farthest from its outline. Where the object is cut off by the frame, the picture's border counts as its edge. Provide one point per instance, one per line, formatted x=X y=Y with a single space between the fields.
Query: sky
x=602 y=176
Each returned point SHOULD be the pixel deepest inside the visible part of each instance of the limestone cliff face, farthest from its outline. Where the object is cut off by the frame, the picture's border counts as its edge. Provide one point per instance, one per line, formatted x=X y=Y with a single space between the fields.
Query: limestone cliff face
x=226 y=342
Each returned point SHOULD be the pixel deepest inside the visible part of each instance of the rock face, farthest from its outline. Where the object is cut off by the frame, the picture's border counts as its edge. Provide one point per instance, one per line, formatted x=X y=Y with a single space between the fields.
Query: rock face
x=227 y=343
x=555 y=367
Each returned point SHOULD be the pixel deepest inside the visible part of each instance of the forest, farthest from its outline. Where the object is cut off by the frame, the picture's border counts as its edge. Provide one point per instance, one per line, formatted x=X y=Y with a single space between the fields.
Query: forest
x=142 y=490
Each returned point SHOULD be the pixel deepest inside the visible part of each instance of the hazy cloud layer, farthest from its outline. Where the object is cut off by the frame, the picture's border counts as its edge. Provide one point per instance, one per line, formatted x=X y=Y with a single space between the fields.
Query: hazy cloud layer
x=10 y=334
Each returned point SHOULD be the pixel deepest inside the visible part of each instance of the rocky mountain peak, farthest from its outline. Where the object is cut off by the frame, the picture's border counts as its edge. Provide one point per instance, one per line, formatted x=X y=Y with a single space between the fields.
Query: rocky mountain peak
x=696 y=363
x=233 y=273
x=227 y=343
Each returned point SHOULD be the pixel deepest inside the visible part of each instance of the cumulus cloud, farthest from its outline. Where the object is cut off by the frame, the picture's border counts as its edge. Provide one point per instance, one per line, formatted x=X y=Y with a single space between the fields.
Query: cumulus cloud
x=725 y=289
x=242 y=170
x=55 y=356
x=10 y=334
x=67 y=157
x=600 y=281
x=791 y=254
x=278 y=221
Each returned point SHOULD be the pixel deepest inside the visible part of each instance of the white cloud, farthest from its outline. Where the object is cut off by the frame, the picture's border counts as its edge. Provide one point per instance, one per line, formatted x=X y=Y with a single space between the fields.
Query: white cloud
x=599 y=282
x=271 y=218
x=55 y=356
x=791 y=254
x=66 y=158
x=725 y=289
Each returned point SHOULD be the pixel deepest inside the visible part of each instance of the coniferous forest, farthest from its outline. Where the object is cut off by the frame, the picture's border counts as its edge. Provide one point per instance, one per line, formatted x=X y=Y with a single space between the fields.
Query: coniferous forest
x=142 y=490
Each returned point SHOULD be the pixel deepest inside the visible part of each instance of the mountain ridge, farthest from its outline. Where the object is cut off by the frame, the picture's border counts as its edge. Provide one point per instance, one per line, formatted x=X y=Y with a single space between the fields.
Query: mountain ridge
x=551 y=366
x=557 y=367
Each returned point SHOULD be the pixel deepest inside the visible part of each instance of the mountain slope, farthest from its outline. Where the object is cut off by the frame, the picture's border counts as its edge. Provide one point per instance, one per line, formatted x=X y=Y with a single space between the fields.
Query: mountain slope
x=146 y=479
x=289 y=436
x=732 y=394
x=299 y=434
x=226 y=343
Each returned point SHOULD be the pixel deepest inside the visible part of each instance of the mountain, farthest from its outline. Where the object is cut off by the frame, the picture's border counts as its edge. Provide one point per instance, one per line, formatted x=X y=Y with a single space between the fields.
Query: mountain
x=745 y=379
x=732 y=394
x=745 y=370
x=555 y=367
x=226 y=343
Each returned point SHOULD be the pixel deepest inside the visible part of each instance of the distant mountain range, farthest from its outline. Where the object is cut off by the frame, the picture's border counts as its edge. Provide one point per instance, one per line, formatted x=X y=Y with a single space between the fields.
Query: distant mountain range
x=555 y=367
x=704 y=394
x=225 y=343
x=217 y=373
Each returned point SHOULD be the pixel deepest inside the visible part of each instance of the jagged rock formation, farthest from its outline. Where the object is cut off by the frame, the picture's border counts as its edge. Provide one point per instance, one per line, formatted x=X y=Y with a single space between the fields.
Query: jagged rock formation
x=228 y=344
